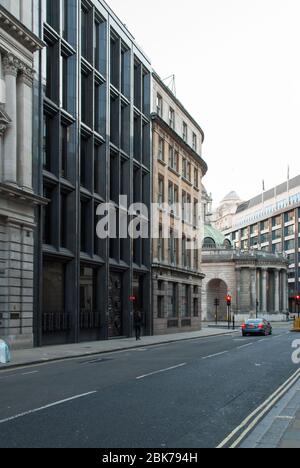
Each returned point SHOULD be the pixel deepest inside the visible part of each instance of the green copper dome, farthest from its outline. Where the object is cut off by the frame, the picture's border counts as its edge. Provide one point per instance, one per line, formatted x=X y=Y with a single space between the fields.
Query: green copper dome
x=216 y=237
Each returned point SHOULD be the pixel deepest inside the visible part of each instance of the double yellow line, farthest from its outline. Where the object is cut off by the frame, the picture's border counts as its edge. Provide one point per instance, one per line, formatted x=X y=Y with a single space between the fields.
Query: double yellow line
x=251 y=421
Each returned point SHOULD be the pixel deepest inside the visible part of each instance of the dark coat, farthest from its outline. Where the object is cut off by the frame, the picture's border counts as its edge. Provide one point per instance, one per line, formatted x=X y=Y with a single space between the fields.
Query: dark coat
x=138 y=319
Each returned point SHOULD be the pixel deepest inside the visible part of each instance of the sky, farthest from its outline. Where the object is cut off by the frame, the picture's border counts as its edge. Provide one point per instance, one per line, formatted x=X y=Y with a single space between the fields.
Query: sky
x=237 y=69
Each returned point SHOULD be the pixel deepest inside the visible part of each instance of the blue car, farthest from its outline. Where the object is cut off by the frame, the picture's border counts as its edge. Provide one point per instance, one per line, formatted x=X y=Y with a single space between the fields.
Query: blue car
x=257 y=327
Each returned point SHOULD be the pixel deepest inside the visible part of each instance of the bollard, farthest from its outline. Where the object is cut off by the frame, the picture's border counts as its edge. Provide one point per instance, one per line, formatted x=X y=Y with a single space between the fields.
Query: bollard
x=4 y=353
x=296 y=325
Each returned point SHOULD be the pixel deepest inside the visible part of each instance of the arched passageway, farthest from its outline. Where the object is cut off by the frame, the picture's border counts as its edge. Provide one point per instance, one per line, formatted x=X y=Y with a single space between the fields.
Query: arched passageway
x=216 y=289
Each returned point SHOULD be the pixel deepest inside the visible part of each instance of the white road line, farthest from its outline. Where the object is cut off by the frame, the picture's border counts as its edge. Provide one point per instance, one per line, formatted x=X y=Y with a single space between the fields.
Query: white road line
x=30 y=373
x=286 y=418
x=160 y=371
x=17 y=375
x=215 y=355
x=21 y=415
x=245 y=346
x=260 y=412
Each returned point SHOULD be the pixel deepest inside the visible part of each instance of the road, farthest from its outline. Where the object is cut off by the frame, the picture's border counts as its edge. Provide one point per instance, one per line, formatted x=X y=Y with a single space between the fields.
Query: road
x=188 y=394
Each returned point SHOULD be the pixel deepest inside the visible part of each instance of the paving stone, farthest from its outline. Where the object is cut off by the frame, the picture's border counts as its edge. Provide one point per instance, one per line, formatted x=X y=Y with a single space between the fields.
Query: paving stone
x=296 y=424
x=292 y=435
x=290 y=444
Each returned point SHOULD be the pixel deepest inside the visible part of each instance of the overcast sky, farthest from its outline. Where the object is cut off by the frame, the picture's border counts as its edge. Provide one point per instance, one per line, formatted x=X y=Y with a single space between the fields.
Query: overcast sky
x=237 y=67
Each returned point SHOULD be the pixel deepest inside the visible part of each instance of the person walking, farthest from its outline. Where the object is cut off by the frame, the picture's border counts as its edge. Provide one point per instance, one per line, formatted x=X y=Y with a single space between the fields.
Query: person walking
x=138 y=324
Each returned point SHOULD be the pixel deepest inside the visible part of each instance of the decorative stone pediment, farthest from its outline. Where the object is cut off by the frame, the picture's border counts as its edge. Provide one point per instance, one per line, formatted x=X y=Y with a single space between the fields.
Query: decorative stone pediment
x=17 y=30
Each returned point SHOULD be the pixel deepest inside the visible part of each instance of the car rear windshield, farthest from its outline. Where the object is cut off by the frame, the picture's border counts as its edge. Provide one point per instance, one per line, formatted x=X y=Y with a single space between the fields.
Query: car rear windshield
x=254 y=322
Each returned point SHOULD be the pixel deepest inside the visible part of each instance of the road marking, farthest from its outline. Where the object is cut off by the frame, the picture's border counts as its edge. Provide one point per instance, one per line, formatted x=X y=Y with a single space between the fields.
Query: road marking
x=161 y=371
x=30 y=373
x=260 y=411
x=245 y=346
x=215 y=355
x=17 y=375
x=287 y=418
x=27 y=413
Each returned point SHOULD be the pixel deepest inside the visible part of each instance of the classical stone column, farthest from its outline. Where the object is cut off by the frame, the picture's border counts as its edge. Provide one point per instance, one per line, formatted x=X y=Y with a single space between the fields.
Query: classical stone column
x=258 y=289
x=264 y=290
x=10 y=69
x=253 y=290
x=238 y=272
x=284 y=291
x=277 y=293
x=24 y=124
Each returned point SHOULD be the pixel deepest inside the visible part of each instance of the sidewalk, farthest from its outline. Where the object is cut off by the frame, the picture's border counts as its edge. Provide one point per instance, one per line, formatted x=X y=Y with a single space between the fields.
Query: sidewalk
x=28 y=357
x=281 y=427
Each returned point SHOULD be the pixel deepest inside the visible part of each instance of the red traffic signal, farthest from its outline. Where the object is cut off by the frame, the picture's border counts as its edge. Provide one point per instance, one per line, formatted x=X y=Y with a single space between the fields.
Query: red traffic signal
x=297 y=298
x=132 y=298
x=228 y=300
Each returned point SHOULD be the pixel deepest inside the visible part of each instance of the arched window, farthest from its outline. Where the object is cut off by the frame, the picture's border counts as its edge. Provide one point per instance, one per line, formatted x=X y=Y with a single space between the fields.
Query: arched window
x=209 y=243
x=227 y=244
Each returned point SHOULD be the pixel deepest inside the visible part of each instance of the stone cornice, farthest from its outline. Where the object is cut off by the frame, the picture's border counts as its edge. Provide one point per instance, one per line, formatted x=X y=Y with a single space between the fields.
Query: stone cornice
x=14 y=193
x=197 y=158
x=177 y=270
x=19 y=32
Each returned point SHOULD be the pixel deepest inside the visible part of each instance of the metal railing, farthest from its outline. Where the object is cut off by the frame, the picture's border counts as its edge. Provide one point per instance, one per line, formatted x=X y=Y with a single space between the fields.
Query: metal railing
x=56 y=322
x=89 y=319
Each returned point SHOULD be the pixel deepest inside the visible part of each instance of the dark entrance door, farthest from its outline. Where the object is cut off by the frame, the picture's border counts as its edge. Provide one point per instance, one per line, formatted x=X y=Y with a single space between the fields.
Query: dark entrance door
x=138 y=292
x=56 y=321
x=115 y=322
x=89 y=319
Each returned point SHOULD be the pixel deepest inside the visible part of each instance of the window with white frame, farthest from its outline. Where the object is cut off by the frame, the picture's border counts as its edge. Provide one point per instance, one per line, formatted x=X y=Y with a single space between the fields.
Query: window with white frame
x=195 y=145
x=161 y=149
x=161 y=189
x=184 y=132
x=172 y=118
x=173 y=158
x=159 y=105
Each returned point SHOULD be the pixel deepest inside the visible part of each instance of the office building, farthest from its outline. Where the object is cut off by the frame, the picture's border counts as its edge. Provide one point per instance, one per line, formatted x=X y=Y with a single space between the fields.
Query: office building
x=269 y=222
x=178 y=169
x=96 y=146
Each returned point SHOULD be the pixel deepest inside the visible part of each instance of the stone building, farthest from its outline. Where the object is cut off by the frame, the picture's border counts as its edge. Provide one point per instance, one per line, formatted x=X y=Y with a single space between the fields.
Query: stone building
x=223 y=216
x=256 y=280
x=18 y=45
x=178 y=169
x=270 y=222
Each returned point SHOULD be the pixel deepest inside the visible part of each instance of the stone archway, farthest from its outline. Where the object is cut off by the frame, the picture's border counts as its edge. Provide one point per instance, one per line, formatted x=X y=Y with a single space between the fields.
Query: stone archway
x=216 y=289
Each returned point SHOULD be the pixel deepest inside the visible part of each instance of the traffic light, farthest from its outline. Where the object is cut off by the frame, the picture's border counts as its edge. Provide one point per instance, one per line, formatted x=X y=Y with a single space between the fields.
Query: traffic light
x=228 y=300
x=297 y=299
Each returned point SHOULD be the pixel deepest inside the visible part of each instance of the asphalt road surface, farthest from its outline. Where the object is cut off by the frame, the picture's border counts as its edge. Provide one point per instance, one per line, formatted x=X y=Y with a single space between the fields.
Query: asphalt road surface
x=189 y=394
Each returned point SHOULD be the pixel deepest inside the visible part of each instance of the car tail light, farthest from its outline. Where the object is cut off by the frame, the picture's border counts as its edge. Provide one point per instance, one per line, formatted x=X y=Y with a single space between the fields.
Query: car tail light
x=260 y=325
x=244 y=325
